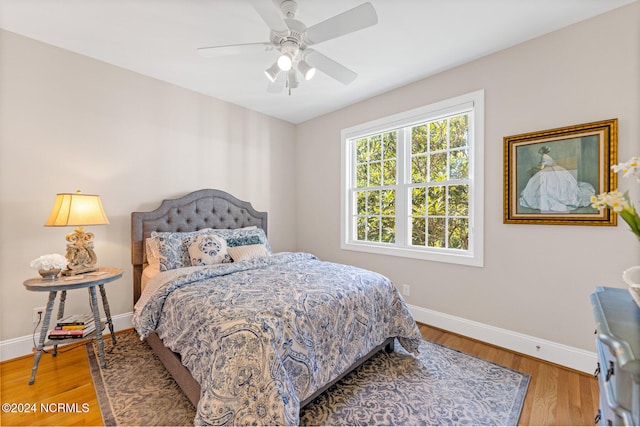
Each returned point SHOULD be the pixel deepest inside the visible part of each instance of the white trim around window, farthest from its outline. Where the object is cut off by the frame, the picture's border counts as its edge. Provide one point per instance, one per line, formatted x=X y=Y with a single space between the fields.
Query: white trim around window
x=402 y=243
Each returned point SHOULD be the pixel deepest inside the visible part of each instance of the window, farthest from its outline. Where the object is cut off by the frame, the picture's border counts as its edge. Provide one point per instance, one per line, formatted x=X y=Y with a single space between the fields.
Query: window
x=412 y=183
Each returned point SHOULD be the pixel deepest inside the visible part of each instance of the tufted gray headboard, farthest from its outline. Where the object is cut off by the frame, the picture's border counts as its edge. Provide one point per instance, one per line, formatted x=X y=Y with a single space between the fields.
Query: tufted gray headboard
x=192 y=212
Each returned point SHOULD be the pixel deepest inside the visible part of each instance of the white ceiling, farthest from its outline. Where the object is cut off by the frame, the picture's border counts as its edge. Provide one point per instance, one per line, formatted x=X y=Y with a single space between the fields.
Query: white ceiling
x=412 y=40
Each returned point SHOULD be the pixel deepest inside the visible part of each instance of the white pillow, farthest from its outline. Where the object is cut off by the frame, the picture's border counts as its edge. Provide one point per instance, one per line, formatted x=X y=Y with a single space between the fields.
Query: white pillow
x=241 y=253
x=148 y=273
x=152 y=251
x=208 y=249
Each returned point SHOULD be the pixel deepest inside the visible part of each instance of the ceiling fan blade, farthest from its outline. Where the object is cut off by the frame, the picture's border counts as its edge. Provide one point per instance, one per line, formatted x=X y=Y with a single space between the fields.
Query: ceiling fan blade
x=270 y=15
x=330 y=67
x=355 y=19
x=233 y=49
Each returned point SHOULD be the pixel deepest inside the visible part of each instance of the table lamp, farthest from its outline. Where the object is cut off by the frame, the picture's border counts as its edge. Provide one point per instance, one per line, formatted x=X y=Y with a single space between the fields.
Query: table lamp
x=77 y=209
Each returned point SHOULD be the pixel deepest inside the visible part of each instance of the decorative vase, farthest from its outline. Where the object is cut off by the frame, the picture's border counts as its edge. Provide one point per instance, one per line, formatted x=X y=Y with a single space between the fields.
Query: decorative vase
x=51 y=274
x=631 y=277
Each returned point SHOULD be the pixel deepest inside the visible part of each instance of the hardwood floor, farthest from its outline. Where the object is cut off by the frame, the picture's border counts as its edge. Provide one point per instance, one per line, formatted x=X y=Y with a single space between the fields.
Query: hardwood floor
x=556 y=396
x=64 y=379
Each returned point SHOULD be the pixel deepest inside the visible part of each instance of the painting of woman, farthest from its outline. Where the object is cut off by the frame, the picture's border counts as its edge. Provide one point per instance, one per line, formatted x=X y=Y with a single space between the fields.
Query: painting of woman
x=553 y=188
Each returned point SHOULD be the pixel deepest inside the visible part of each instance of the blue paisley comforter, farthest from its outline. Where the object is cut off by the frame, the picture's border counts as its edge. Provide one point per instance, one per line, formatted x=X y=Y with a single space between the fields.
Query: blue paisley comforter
x=262 y=335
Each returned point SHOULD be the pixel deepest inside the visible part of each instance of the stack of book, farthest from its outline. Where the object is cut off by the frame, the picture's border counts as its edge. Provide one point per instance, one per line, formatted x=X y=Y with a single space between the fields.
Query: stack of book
x=73 y=326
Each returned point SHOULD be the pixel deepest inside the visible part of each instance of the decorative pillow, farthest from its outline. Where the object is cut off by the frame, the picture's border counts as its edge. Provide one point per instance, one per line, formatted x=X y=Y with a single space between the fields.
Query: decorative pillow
x=244 y=236
x=241 y=253
x=208 y=249
x=173 y=248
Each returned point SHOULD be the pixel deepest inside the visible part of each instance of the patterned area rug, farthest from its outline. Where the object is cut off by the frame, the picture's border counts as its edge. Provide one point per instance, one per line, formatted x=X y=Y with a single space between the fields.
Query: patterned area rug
x=440 y=387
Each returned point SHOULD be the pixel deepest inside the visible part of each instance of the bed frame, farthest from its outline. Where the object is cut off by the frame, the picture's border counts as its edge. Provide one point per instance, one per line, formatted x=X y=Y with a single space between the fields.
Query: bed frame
x=195 y=211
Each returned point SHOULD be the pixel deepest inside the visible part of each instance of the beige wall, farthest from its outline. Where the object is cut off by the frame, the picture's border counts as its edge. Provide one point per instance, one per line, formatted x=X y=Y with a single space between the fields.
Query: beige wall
x=536 y=279
x=68 y=122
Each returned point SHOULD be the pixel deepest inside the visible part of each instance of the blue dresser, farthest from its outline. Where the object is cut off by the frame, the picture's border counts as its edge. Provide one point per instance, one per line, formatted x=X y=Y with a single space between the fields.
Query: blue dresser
x=618 y=346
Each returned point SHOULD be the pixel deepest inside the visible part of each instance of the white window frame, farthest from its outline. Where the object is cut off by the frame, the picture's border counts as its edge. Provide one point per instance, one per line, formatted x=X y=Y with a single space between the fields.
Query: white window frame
x=474 y=255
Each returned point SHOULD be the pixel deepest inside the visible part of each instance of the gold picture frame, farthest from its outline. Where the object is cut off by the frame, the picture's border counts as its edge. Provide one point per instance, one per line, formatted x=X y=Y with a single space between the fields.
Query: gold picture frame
x=550 y=175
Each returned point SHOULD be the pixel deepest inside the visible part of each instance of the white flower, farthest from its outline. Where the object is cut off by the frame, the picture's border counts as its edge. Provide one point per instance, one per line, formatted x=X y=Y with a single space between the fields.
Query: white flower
x=628 y=168
x=49 y=262
x=619 y=202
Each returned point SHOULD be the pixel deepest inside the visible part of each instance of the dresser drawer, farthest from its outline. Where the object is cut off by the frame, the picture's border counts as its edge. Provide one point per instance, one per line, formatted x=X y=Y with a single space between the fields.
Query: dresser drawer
x=615 y=390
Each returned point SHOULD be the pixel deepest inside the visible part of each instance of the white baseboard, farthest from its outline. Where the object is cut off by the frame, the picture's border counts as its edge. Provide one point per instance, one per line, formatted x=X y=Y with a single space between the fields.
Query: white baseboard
x=571 y=357
x=22 y=346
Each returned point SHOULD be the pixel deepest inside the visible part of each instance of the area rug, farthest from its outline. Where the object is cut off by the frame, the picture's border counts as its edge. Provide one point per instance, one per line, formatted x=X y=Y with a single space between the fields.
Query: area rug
x=441 y=386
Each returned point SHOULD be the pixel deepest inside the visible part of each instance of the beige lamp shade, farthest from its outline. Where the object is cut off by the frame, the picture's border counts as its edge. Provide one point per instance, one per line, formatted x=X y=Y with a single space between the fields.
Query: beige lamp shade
x=73 y=209
x=77 y=209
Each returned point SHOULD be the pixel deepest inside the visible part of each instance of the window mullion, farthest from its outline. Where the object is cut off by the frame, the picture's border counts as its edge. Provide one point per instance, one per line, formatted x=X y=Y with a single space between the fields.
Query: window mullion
x=353 y=193
x=402 y=197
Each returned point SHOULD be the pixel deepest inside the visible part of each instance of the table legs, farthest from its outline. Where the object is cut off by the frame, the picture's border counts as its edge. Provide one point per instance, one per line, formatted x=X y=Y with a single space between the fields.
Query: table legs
x=43 y=335
x=63 y=298
x=44 y=330
x=107 y=312
x=96 y=319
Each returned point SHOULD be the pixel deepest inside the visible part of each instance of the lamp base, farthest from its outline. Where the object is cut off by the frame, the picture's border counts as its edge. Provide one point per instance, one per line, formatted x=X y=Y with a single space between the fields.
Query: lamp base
x=80 y=255
x=81 y=271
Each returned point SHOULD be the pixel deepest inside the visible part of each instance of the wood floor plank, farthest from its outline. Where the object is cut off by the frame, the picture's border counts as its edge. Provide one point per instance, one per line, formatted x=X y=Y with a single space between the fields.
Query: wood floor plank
x=545 y=396
x=556 y=396
x=589 y=395
x=566 y=398
x=528 y=366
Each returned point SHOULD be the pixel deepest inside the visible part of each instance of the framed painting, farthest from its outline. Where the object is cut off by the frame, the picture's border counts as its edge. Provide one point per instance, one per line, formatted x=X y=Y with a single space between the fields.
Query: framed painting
x=551 y=175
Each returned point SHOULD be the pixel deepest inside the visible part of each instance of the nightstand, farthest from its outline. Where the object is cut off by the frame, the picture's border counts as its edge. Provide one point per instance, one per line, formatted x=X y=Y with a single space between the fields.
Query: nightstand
x=68 y=283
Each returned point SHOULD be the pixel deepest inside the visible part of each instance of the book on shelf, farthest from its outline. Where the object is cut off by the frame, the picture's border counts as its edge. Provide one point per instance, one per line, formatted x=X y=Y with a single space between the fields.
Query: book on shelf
x=60 y=334
x=71 y=327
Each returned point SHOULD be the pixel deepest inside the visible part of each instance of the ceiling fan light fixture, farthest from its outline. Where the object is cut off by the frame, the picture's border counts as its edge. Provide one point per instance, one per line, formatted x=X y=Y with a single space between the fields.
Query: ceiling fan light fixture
x=292 y=79
x=272 y=72
x=306 y=70
x=285 y=62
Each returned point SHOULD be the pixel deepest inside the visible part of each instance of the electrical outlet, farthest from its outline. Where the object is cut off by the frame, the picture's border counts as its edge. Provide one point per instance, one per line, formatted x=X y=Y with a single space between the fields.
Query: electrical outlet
x=406 y=290
x=38 y=314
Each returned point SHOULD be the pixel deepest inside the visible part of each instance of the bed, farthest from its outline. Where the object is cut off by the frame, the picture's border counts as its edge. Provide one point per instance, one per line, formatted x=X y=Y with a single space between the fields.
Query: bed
x=252 y=336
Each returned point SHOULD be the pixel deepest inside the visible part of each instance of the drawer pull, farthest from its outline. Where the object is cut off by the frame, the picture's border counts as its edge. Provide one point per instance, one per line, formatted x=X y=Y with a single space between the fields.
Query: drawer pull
x=610 y=371
x=598 y=417
x=597 y=371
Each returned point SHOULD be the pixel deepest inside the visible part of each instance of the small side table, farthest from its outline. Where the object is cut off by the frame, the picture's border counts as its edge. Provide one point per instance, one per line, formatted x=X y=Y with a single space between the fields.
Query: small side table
x=67 y=283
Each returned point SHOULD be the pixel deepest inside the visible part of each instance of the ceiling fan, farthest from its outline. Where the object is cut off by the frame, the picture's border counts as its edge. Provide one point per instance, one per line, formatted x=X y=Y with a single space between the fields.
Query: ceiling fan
x=292 y=39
